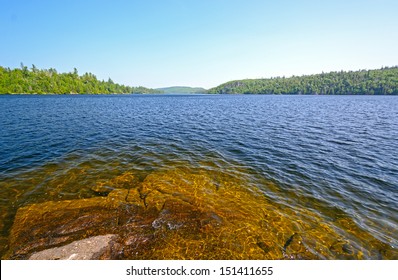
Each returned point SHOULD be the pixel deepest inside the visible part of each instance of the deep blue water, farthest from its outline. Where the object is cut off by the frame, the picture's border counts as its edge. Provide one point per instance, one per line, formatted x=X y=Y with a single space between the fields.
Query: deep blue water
x=335 y=155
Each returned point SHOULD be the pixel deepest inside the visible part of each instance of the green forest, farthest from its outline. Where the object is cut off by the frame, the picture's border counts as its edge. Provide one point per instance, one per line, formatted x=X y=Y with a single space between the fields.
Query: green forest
x=375 y=82
x=49 y=81
x=32 y=80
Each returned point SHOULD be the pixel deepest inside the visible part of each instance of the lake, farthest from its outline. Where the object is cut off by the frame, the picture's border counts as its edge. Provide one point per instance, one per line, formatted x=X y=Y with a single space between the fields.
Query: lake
x=247 y=176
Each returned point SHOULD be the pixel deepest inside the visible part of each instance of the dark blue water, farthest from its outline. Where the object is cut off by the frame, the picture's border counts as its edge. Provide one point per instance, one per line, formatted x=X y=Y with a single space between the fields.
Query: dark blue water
x=336 y=156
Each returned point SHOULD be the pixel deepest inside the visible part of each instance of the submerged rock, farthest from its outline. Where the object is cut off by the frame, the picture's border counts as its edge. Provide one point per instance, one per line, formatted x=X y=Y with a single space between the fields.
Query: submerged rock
x=41 y=226
x=173 y=215
x=102 y=190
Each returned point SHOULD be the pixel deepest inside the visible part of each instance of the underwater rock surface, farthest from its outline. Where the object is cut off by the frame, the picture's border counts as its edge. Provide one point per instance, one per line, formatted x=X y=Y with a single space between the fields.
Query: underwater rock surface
x=178 y=214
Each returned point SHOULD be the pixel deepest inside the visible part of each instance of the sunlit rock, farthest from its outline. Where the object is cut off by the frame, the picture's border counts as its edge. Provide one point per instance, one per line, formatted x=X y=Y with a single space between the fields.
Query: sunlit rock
x=96 y=247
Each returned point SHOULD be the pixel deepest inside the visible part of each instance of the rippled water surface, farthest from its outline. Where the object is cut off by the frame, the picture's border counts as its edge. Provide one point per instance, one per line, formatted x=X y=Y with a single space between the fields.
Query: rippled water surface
x=316 y=175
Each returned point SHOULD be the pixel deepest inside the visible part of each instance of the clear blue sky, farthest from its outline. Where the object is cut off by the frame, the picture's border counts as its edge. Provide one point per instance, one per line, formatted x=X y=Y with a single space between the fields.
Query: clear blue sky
x=198 y=42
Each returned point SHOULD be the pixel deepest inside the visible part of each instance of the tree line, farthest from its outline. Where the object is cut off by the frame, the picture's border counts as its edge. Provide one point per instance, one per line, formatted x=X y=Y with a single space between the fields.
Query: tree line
x=382 y=81
x=49 y=81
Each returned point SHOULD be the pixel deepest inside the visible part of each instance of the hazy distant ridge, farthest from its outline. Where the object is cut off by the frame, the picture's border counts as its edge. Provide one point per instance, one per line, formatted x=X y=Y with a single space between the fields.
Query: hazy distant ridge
x=182 y=89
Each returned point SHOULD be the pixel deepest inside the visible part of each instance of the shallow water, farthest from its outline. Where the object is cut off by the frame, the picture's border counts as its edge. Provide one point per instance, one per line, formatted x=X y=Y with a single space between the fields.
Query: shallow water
x=320 y=171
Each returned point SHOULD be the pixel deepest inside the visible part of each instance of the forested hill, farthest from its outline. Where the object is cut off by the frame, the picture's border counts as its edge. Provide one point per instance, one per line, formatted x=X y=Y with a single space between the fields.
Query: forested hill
x=33 y=80
x=381 y=81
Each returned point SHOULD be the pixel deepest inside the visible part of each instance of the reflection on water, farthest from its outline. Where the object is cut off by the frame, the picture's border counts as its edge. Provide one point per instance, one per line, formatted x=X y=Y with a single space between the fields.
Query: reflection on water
x=211 y=178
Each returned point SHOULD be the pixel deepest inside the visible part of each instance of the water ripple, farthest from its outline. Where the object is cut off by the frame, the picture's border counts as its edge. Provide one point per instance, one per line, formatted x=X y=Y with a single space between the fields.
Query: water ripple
x=334 y=155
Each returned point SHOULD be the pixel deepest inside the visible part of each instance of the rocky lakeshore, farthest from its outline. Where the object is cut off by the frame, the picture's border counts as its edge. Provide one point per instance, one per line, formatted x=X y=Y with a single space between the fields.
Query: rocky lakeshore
x=177 y=215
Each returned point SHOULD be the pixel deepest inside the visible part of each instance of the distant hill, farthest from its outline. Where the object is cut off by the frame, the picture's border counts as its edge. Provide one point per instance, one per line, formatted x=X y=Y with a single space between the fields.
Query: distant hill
x=181 y=89
x=381 y=81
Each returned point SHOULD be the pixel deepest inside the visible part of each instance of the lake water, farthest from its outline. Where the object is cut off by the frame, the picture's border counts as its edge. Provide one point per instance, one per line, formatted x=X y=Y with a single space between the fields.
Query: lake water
x=326 y=166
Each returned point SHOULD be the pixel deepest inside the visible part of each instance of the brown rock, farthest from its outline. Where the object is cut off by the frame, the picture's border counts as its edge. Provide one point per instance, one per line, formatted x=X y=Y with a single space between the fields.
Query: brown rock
x=41 y=226
x=176 y=214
